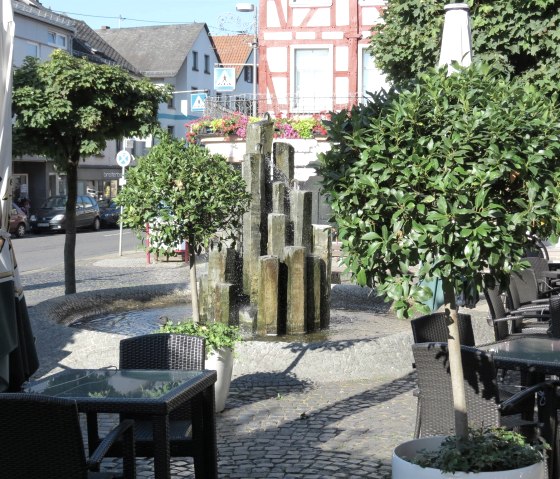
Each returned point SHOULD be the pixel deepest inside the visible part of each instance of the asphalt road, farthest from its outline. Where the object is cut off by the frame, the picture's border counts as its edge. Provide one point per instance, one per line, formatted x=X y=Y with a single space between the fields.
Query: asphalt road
x=35 y=252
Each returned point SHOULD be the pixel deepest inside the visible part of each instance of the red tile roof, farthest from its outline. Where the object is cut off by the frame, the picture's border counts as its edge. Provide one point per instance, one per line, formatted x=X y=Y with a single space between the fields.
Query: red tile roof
x=233 y=49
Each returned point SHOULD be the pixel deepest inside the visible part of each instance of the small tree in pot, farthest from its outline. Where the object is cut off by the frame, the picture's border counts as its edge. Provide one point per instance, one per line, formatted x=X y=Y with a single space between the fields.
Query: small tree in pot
x=443 y=179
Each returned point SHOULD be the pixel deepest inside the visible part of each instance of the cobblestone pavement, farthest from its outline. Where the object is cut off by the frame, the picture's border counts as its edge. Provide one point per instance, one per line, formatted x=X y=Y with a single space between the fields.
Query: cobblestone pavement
x=278 y=422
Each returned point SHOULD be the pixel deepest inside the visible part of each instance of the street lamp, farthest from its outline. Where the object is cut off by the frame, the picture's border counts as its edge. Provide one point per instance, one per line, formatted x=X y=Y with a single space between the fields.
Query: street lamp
x=250 y=7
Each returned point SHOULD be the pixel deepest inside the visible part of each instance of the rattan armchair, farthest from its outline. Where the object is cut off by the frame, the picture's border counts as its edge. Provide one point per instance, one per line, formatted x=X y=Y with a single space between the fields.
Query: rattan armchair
x=162 y=351
x=484 y=405
x=433 y=328
x=41 y=438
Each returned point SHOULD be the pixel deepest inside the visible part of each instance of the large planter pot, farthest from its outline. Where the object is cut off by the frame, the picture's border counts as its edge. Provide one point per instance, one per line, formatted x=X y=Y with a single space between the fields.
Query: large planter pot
x=221 y=361
x=402 y=469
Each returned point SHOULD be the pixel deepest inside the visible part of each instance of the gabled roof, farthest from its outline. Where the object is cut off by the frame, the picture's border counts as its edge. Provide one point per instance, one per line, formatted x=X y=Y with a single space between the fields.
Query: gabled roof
x=89 y=44
x=157 y=51
x=232 y=49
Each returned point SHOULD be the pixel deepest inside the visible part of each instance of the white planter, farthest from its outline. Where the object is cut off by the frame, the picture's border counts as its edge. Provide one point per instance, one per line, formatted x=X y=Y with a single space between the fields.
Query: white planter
x=402 y=469
x=221 y=361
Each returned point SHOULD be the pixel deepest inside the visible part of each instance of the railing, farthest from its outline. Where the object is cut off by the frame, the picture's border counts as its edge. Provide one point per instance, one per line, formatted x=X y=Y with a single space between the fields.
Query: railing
x=296 y=105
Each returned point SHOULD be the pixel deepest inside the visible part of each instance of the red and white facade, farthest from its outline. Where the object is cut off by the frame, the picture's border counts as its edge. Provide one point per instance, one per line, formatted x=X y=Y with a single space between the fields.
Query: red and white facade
x=313 y=54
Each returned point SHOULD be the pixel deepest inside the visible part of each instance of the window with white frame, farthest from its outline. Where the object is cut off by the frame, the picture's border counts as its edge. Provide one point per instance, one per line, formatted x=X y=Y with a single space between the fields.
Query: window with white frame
x=32 y=49
x=58 y=40
x=372 y=78
x=312 y=80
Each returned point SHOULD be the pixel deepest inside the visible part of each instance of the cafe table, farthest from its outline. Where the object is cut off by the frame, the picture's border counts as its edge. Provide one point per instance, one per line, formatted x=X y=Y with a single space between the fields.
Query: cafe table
x=534 y=356
x=151 y=393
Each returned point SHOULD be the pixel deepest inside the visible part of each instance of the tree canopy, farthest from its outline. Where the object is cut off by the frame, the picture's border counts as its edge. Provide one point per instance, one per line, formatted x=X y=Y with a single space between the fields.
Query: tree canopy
x=67 y=108
x=443 y=179
x=522 y=35
x=185 y=194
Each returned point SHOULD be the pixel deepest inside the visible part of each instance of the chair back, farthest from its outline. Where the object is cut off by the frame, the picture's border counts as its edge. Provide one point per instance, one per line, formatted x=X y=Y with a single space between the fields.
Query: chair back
x=554 y=323
x=162 y=351
x=40 y=437
x=433 y=328
x=536 y=248
x=526 y=283
x=434 y=382
x=497 y=311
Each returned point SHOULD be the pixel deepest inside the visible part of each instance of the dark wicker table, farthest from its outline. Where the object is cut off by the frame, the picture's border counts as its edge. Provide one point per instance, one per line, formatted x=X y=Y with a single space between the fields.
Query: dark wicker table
x=153 y=393
x=537 y=356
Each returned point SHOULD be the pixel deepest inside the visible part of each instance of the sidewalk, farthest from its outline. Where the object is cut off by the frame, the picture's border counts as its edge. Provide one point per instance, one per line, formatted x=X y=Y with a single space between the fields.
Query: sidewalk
x=333 y=408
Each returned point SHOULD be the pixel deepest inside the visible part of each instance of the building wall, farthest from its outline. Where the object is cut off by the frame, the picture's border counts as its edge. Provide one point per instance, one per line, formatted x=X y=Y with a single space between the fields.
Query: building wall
x=311 y=53
x=189 y=79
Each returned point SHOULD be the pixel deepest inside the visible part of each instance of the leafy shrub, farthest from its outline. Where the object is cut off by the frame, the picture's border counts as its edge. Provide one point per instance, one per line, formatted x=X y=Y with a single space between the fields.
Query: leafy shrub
x=443 y=179
x=218 y=335
x=484 y=450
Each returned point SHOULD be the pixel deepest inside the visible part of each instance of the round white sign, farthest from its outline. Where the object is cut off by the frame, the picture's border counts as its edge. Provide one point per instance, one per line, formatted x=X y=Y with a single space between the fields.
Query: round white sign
x=123 y=158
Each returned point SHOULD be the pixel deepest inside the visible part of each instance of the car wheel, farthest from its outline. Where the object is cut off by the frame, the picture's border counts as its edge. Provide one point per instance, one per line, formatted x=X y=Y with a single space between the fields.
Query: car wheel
x=96 y=224
x=20 y=230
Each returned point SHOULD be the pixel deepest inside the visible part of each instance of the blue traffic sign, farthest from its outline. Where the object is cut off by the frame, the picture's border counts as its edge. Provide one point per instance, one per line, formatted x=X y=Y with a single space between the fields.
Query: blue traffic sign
x=198 y=101
x=224 y=79
x=123 y=158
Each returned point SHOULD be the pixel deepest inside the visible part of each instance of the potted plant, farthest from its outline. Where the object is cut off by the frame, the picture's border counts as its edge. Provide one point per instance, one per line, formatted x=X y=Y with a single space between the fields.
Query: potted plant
x=220 y=344
x=440 y=179
x=492 y=453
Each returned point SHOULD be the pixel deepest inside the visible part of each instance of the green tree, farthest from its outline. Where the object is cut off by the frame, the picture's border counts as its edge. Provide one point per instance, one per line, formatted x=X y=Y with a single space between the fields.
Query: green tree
x=523 y=35
x=66 y=109
x=185 y=194
x=444 y=179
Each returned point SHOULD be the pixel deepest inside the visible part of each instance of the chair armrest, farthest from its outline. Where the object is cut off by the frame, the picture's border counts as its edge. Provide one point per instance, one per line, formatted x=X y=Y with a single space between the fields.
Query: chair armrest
x=513 y=403
x=124 y=430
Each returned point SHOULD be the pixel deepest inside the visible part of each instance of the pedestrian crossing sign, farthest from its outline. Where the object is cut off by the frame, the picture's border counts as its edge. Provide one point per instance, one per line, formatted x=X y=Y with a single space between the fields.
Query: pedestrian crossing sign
x=224 y=79
x=198 y=101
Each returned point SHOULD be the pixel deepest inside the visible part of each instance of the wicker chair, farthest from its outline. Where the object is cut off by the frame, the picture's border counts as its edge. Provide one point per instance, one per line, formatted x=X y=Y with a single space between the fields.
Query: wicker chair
x=163 y=351
x=547 y=280
x=433 y=328
x=484 y=405
x=506 y=324
x=41 y=438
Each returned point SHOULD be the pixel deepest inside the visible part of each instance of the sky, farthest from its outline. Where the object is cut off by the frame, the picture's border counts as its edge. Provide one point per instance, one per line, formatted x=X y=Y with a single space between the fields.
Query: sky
x=219 y=15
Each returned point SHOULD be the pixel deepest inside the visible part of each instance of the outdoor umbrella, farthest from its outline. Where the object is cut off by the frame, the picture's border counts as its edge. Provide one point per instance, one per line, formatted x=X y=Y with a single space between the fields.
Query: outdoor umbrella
x=456 y=44
x=18 y=357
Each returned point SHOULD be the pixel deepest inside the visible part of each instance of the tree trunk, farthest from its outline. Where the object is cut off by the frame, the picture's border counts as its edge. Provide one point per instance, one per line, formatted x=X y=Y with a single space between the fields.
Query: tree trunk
x=194 y=284
x=70 y=227
x=455 y=360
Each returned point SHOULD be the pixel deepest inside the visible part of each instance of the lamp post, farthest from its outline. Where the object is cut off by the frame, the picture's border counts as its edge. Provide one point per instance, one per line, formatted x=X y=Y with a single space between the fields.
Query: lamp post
x=250 y=7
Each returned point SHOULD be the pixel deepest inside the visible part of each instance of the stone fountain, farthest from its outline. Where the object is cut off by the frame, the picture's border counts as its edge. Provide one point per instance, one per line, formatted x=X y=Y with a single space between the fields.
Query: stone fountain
x=278 y=280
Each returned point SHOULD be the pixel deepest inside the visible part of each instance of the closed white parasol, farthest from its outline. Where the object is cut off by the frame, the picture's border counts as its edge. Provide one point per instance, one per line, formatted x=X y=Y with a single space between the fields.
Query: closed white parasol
x=456 y=43
x=18 y=357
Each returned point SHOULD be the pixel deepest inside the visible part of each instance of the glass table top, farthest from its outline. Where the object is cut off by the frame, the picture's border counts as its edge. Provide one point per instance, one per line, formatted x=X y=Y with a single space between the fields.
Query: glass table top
x=527 y=349
x=112 y=383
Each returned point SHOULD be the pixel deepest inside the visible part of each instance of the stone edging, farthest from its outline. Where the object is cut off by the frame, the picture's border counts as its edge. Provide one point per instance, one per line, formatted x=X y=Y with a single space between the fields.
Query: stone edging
x=67 y=309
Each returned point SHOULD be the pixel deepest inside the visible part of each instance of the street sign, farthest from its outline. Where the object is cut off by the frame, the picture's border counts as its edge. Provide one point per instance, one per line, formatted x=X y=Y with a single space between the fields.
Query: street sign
x=123 y=158
x=224 y=79
x=198 y=101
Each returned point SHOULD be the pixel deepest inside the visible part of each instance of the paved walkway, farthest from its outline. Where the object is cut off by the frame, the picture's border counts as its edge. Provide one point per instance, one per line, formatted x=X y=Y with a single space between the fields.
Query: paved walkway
x=331 y=408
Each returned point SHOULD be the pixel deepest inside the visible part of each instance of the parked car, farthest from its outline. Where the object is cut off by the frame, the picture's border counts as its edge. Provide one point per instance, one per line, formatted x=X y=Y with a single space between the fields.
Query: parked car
x=51 y=216
x=18 y=221
x=109 y=213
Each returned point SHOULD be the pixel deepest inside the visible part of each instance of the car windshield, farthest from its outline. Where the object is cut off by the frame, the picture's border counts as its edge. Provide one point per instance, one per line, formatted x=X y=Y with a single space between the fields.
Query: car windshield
x=55 y=202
